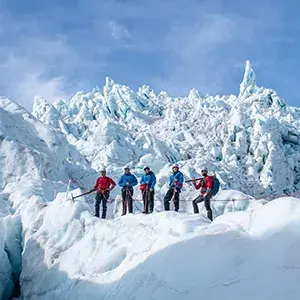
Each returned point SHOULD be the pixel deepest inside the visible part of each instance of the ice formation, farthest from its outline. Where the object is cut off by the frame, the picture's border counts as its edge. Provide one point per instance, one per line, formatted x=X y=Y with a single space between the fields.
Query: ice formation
x=56 y=249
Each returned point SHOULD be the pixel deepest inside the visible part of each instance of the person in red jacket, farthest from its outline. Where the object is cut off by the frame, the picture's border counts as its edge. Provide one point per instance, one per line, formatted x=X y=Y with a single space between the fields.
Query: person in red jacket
x=206 y=185
x=104 y=185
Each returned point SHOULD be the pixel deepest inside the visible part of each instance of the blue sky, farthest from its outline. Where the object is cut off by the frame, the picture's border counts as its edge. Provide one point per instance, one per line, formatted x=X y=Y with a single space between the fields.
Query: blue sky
x=55 y=48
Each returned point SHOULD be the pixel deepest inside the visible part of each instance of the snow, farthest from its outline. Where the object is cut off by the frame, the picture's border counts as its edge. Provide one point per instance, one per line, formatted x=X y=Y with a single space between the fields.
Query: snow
x=250 y=141
x=247 y=138
x=162 y=256
x=35 y=159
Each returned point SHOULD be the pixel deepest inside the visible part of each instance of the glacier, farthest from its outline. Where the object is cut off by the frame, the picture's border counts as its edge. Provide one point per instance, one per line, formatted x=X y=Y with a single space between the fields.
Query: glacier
x=246 y=139
x=54 y=248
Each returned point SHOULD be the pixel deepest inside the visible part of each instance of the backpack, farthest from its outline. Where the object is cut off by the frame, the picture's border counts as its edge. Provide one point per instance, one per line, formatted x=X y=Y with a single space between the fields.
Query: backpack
x=216 y=186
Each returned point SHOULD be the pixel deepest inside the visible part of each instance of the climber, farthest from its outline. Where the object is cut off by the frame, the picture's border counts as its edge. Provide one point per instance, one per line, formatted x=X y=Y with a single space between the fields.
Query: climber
x=104 y=185
x=206 y=185
x=127 y=182
x=175 y=186
x=147 y=184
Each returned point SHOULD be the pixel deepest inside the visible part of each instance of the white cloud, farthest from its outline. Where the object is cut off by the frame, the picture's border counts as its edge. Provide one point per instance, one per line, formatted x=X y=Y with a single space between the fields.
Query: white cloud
x=22 y=80
x=33 y=84
x=118 y=31
x=27 y=74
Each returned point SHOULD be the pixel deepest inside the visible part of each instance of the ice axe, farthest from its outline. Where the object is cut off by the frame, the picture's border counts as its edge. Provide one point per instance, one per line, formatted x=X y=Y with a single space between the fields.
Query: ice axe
x=193 y=180
x=87 y=193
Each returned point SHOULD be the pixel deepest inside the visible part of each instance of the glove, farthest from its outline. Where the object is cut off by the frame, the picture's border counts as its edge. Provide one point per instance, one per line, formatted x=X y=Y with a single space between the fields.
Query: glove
x=175 y=180
x=127 y=183
x=151 y=189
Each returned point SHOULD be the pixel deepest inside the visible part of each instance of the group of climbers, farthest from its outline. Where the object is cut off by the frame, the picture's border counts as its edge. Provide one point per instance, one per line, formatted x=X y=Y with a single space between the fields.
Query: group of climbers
x=104 y=185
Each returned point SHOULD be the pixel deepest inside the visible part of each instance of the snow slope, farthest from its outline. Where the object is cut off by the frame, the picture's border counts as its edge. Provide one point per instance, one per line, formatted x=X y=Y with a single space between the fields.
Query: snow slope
x=251 y=254
x=29 y=147
x=250 y=140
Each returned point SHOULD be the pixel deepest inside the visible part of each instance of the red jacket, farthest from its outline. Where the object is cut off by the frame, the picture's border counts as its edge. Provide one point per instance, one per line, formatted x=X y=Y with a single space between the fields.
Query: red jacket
x=103 y=184
x=206 y=184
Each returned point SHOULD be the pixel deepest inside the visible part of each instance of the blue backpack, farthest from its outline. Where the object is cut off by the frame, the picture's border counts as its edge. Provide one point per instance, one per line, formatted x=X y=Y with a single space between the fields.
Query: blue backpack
x=216 y=185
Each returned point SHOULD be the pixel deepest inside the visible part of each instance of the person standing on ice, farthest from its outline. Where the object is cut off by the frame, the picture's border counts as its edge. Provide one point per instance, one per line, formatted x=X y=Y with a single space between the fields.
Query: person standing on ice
x=127 y=182
x=104 y=185
x=175 y=186
x=206 y=185
x=147 y=184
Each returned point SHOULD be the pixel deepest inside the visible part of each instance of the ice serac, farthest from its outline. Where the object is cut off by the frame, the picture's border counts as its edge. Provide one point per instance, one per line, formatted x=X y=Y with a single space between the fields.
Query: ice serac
x=246 y=139
x=31 y=148
x=195 y=94
x=248 y=85
x=47 y=113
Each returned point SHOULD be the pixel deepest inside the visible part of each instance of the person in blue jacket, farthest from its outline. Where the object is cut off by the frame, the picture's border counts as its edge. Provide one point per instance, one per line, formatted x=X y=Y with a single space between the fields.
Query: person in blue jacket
x=127 y=182
x=175 y=186
x=147 y=184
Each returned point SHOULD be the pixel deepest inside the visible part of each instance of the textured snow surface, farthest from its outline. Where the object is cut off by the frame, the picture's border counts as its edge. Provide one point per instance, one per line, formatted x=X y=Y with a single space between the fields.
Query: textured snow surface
x=250 y=250
x=69 y=254
x=33 y=149
x=30 y=151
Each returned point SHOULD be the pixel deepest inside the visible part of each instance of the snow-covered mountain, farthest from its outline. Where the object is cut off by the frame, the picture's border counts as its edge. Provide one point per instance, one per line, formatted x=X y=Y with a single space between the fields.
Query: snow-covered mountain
x=54 y=247
x=251 y=140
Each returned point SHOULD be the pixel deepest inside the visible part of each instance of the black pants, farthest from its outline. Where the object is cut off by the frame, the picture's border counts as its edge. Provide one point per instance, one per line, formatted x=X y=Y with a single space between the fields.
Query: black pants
x=127 y=200
x=148 y=199
x=101 y=197
x=169 y=195
x=206 y=203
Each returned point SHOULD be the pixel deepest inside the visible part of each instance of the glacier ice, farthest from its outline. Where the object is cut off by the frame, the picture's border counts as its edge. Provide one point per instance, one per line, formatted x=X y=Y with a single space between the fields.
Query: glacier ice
x=252 y=143
x=164 y=255
x=254 y=135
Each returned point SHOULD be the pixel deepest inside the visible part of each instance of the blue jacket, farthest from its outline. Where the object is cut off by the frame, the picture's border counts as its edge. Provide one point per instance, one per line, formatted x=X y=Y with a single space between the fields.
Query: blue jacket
x=130 y=178
x=149 y=179
x=179 y=183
